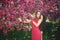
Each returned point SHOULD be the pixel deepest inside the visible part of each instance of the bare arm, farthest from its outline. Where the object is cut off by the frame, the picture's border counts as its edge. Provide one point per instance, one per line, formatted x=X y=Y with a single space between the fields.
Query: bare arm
x=20 y=19
x=27 y=21
x=39 y=22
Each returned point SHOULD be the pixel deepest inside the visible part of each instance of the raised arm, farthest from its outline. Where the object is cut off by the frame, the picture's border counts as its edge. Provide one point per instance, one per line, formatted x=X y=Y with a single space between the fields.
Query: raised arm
x=39 y=22
x=25 y=21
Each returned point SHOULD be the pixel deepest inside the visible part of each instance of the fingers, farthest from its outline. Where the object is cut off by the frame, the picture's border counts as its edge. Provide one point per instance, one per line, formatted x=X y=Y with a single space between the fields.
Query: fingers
x=20 y=19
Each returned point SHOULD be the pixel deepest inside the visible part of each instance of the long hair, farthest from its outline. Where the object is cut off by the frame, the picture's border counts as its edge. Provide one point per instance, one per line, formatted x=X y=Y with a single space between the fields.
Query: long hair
x=42 y=25
x=36 y=14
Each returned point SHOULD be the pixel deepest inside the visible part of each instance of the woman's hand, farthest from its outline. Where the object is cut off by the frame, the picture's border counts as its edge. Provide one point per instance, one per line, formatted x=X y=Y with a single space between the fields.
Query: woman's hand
x=27 y=21
x=20 y=19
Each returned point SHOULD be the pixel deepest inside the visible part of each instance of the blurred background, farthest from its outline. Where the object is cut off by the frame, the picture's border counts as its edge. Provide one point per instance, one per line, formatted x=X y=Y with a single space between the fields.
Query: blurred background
x=12 y=29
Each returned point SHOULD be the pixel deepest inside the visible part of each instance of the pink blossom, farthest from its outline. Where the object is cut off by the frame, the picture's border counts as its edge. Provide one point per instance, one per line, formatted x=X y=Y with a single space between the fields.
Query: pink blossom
x=9 y=25
x=5 y=32
x=1 y=27
x=10 y=12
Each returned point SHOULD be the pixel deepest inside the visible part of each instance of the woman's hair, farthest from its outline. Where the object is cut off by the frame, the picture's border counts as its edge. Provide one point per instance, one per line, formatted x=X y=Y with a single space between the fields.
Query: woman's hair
x=36 y=14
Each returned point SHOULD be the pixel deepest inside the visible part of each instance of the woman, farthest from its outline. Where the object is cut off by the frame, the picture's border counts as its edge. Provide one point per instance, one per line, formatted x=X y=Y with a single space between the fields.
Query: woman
x=36 y=33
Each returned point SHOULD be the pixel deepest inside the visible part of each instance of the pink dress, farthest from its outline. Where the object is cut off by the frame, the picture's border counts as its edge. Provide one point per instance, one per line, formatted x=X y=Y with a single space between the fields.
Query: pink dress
x=36 y=33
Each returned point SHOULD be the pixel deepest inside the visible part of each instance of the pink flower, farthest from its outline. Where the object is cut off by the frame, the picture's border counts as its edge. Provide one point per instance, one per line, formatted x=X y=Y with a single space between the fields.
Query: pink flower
x=1 y=27
x=18 y=28
x=12 y=28
x=9 y=25
x=5 y=32
x=8 y=19
x=8 y=15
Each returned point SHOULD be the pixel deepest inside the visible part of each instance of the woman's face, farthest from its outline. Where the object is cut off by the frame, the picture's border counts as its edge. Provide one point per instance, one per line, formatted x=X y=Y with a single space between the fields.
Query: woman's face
x=38 y=14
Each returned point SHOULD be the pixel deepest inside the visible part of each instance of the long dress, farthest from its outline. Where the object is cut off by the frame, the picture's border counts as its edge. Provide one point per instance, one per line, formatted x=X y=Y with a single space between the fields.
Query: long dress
x=36 y=33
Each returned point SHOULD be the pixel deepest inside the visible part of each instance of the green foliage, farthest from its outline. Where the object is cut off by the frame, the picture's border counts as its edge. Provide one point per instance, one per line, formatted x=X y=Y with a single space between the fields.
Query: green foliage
x=50 y=32
x=17 y=35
